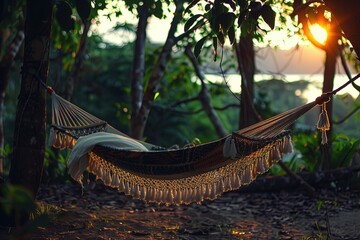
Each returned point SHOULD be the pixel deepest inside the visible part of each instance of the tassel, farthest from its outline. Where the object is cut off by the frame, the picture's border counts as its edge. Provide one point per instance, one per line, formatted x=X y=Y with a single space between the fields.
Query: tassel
x=287 y=145
x=229 y=149
x=323 y=124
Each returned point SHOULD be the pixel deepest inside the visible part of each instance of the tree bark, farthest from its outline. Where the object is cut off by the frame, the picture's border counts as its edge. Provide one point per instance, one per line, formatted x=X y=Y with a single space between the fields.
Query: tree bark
x=29 y=134
x=138 y=67
x=205 y=97
x=139 y=121
x=5 y=65
x=245 y=55
x=328 y=84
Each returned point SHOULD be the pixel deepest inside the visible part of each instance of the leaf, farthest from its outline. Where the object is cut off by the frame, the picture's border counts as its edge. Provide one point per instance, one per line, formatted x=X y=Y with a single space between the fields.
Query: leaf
x=66 y=23
x=221 y=38
x=215 y=48
x=198 y=46
x=268 y=15
x=243 y=4
x=191 y=21
x=231 y=3
x=255 y=6
x=83 y=7
x=242 y=17
x=64 y=8
x=226 y=20
x=63 y=16
x=158 y=10
x=207 y=7
x=156 y=95
x=231 y=34
x=193 y=3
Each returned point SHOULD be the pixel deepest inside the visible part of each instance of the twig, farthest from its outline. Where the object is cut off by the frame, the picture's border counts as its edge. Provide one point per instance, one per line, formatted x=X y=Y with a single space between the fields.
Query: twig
x=347 y=116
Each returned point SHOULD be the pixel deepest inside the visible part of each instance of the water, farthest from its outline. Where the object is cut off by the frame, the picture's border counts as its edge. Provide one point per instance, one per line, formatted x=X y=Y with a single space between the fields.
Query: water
x=311 y=92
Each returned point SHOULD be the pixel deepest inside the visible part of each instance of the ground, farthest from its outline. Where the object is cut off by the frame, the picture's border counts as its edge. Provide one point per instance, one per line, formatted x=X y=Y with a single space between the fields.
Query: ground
x=103 y=213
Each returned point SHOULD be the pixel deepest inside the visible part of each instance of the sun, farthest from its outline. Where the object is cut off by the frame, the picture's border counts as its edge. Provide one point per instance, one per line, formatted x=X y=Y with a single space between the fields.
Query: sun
x=319 y=33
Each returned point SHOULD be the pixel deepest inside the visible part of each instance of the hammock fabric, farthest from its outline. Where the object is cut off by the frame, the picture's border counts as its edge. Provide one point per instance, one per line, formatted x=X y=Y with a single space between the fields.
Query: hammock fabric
x=170 y=176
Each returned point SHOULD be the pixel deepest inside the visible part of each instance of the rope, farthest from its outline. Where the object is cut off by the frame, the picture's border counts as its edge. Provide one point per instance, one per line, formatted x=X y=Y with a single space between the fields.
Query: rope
x=345 y=84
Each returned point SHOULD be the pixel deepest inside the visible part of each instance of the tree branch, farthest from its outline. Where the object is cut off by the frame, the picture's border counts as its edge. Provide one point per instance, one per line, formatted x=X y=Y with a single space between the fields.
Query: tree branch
x=79 y=59
x=204 y=95
x=140 y=119
x=347 y=71
x=347 y=116
x=184 y=101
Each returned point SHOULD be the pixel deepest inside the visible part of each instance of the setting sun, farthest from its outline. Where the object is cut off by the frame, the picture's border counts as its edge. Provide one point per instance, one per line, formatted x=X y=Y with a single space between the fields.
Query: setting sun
x=319 y=33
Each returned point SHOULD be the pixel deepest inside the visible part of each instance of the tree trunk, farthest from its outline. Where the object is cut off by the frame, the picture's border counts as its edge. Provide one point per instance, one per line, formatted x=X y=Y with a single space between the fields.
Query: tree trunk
x=204 y=95
x=29 y=133
x=139 y=121
x=79 y=59
x=5 y=65
x=328 y=85
x=245 y=55
x=138 y=67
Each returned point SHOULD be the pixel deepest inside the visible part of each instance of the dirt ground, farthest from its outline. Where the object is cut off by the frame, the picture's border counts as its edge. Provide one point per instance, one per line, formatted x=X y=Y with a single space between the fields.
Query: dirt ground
x=103 y=213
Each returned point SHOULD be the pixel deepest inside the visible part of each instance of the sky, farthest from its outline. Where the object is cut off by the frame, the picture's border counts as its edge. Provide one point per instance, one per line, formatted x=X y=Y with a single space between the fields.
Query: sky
x=290 y=58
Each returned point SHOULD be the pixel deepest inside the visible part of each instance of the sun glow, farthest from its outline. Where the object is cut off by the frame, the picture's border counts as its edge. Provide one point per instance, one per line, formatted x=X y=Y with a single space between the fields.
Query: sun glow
x=319 y=33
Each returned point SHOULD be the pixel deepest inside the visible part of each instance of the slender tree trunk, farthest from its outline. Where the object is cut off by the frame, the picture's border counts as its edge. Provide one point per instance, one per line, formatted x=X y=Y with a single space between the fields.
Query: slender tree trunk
x=5 y=65
x=138 y=68
x=204 y=95
x=139 y=121
x=245 y=55
x=29 y=134
x=328 y=85
x=79 y=59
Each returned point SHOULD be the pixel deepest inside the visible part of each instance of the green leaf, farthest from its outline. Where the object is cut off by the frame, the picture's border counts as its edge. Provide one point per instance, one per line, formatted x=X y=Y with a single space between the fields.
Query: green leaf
x=268 y=15
x=63 y=16
x=221 y=38
x=231 y=34
x=158 y=10
x=207 y=7
x=83 y=7
x=198 y=46
x=226 y=20
x=156 y=95
x=191 y=21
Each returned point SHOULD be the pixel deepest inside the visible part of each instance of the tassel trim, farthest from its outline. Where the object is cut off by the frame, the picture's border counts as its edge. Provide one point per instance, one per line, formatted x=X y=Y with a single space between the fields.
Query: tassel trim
x=197 y=188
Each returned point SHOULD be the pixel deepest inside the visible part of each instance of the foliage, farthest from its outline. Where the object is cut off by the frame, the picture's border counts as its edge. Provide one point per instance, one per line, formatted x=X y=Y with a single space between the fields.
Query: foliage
x=308 y=150
x=105 y=85
x=18 y=208
x=224 y=16
x=55 y=169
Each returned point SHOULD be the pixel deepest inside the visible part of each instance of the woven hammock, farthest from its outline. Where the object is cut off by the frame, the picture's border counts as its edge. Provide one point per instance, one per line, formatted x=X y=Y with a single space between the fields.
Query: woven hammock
x=170 y=176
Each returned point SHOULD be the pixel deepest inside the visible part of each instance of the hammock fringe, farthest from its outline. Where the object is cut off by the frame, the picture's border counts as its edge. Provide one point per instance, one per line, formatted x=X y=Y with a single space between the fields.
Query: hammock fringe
x=172 y=176
x=198 y=188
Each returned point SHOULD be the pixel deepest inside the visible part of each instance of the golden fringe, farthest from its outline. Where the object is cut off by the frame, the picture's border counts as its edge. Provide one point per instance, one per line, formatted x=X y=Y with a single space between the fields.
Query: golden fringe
x=196 y=188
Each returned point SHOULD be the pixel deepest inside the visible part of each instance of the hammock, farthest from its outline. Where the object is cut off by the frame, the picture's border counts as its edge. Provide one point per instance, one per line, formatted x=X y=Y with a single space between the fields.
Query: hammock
x=173 y=176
